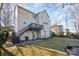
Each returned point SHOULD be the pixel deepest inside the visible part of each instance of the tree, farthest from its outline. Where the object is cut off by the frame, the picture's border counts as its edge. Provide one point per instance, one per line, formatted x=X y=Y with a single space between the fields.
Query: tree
x=74 y=10
x=6 y=14
x=3 y=32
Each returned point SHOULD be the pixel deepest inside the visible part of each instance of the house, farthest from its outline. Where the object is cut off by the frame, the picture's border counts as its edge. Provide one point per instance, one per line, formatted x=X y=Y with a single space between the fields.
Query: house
x=57 y=29
x=66 y=32
x=31 y=25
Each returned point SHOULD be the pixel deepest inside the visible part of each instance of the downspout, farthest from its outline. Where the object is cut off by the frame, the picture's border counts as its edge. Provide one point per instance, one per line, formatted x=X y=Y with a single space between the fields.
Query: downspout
x=0 y=13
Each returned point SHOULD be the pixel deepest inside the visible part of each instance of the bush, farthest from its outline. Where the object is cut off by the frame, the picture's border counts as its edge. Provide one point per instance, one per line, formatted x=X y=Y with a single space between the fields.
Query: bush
x=3 y=37
x=2 y=40
x=74 y=36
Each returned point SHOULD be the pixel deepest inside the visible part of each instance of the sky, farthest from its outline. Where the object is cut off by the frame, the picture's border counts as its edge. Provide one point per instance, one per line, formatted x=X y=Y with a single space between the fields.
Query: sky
x=55 y=12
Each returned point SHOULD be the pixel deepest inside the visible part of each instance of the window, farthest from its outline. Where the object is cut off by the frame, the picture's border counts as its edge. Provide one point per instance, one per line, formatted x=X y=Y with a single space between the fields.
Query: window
x=24 y=22
x=45 y=22
x=33 y=16
x=42 y=17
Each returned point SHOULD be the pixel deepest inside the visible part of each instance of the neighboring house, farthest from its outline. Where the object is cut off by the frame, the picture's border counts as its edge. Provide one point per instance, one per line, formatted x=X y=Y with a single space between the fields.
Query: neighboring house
x=57 y=29
x=31 y=25
x=66 y=32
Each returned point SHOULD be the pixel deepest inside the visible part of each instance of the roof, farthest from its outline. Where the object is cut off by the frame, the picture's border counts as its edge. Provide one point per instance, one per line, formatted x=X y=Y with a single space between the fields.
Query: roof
x=55 y=25
x=33 y=12
x=43 y=11
x=25 y=9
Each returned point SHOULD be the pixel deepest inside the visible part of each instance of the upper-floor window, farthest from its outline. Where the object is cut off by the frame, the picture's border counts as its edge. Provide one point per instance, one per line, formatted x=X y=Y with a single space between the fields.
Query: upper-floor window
x=33 y=16
x=42 y=17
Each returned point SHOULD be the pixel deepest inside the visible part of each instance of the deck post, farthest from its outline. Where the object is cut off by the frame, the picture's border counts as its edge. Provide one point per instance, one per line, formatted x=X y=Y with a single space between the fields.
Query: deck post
x=32 y=34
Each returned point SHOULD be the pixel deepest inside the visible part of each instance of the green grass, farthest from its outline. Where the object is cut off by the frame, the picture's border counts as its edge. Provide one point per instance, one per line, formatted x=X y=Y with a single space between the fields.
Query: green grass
x=56 y=43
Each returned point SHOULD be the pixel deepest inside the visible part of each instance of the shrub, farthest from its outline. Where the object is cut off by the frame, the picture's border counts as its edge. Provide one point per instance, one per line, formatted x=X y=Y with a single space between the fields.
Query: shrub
x=76 y=36
x=2 y=40
x=3 y=37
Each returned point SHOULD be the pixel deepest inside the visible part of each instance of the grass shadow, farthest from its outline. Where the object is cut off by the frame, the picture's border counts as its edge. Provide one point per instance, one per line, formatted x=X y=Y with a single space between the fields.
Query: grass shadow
x=20 y=50
x=6 y=52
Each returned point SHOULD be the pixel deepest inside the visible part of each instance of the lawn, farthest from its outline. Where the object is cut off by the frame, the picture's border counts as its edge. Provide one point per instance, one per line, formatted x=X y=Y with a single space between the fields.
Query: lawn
x=57 y=43
x=32 y=50
x=48 y=47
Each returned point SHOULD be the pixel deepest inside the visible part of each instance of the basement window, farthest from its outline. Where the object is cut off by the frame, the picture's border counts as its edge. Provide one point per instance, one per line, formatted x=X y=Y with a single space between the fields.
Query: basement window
x=25 y=23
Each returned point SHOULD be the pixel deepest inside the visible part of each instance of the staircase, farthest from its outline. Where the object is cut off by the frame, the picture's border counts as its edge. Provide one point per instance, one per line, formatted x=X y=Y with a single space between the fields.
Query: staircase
x=30 y=26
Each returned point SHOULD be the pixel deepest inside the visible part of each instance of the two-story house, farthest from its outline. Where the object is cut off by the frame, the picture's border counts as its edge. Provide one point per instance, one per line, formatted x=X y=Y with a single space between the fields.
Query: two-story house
x=31 y=25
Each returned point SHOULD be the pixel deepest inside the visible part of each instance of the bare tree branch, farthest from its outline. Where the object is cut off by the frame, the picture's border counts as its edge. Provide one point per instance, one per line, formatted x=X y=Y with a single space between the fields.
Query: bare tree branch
x=75 y=14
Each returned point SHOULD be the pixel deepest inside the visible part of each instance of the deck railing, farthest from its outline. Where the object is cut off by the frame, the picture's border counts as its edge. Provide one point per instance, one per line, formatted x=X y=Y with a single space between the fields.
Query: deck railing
x=31 y=26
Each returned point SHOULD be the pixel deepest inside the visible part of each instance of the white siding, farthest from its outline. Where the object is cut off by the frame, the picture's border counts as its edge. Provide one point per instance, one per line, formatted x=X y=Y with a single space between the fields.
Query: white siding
x=44 y=20
x=24 y=18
